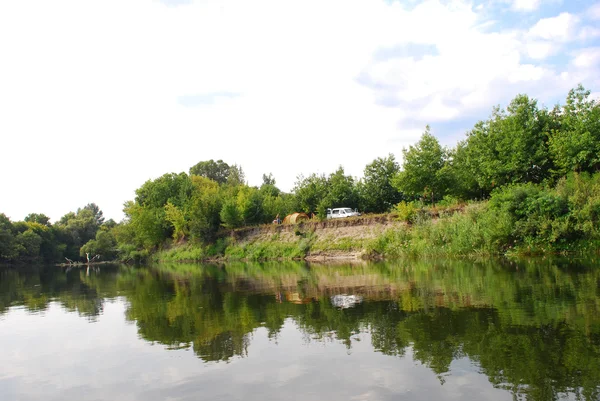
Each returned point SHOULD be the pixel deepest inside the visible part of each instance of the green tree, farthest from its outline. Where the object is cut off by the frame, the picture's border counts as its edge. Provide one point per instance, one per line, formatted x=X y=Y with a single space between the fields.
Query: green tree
x=377 y=194
x=98 y=215
x=176 y=217
x=575 y=143
x=217 y=171
x=464 y=184
x=144 y=226
x=341 y=192
x=268 y=186
x=236 y=176
x=230 y=214
x=104 y=245
x=172 y=187
x=424 y=169
x=310 y=191
x=28 y=244
x=204 y=208
x=38 y=218
x=510 y=147
x=76 y=229
x=8 y=245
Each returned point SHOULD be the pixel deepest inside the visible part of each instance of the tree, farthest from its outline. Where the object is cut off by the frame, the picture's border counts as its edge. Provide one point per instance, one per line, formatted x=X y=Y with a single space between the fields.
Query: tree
x=8 y=246
x=98 y=215
x=268 y=179
x=575 y=143
x=217 y=171
x=172 y=187
x=463 y=183
x=268 y=186
x=38 y=218
x=151 y=199
x=230 y=214
x=341 y=192
x=377 y=194
x=424 y=170
x=204 y=208
x=29 y=244
x=510 y=147
x=176 y=217
x=310 y=192
x=104 y=245
x=236 y=176
x=145 y=226
x=76 y=229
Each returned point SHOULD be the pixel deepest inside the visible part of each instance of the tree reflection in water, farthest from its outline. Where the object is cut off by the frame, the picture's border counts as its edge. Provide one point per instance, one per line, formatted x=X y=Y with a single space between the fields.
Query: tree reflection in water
x=533 y=327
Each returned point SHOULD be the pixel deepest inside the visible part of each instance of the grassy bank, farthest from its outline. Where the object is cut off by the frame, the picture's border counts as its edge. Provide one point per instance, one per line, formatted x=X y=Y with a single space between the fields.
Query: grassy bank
x=519 y=219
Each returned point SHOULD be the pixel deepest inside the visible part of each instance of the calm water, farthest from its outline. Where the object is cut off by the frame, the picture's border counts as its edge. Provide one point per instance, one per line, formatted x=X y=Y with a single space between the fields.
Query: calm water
x=407 y=330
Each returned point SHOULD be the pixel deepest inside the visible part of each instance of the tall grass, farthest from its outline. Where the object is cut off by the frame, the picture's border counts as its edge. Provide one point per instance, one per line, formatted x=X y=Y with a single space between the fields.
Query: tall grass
x=524 y=219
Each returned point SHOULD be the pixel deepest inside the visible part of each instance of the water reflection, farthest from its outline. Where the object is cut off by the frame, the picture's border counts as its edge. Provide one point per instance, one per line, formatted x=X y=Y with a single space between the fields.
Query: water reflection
x=532 y=327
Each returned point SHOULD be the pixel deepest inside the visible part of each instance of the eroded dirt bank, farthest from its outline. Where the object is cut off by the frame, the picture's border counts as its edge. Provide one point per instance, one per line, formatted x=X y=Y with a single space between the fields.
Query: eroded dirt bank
x=329 y=239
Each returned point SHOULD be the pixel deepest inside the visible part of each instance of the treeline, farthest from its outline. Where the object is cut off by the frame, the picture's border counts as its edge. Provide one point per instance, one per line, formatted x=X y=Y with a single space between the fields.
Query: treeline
x=37 y=240
x=524 y=144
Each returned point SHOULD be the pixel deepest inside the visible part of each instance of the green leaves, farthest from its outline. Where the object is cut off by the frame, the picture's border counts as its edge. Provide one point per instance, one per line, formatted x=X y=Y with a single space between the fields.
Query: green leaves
x=424 y=170
x=377 y=194
x=217 y=171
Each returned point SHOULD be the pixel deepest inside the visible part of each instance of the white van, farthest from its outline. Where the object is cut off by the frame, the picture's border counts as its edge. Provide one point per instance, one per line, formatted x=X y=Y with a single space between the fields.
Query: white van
x=340 y=212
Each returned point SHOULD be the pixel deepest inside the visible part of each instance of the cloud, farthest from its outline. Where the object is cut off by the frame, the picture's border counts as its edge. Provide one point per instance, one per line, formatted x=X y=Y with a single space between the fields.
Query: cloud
x=166 y=87
x=593 y=12
x=525 y=5
x=175 y=3
x=415 y=50
x=560 y=28
x=586 y=58
x=205 y=98
x=588 y=33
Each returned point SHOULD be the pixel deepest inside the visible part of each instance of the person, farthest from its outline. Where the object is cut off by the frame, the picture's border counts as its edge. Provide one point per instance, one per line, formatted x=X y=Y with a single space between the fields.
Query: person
x=277 y=220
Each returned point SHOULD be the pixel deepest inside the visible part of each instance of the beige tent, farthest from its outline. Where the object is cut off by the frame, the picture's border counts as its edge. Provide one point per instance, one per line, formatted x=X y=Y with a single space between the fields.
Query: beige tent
x=295 y=218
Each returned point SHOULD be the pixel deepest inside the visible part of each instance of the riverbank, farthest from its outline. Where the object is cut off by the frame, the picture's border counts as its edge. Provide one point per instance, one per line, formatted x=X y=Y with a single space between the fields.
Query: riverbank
x=517 y=220
x=340 y=239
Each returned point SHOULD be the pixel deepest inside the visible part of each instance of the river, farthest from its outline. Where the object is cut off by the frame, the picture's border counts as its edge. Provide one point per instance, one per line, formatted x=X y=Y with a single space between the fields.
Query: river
x=401 y=330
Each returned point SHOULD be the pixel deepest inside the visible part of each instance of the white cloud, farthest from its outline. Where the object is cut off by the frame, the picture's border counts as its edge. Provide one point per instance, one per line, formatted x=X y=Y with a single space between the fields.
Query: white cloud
x=588 y=32
x=525 y=73
x=526 y=5
x=93 y=94
x=593 y=12
x=560 y=28
x=540 y=50
x=587 y=58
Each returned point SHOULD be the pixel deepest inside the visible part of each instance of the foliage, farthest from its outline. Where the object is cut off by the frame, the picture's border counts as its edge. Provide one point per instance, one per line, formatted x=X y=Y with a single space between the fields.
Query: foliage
x=510 y=147
x=406 y=211
x=105 y=245
x=341 y=192
x=310 y=192
x=575 y=141
x=424 y=170
x=217 y=171
x=39 y=218
x=377 y=194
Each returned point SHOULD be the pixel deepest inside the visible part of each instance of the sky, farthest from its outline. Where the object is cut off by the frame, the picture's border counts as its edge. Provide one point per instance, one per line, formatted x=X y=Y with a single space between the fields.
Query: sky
x=97 y=97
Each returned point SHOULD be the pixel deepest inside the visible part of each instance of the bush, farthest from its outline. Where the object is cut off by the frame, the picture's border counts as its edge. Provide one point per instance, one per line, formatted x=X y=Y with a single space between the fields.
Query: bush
x=406 y=211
